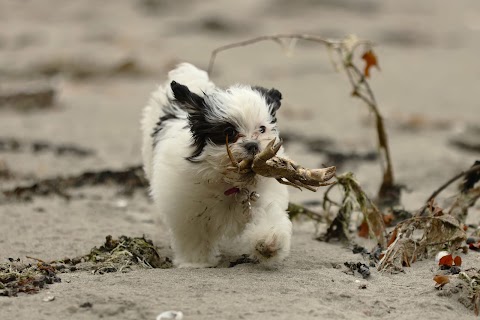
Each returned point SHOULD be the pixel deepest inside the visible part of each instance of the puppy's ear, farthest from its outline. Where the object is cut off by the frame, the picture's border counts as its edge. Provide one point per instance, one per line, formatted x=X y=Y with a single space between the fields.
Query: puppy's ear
x=272 y=96
x=190 y=100
x=196 y=108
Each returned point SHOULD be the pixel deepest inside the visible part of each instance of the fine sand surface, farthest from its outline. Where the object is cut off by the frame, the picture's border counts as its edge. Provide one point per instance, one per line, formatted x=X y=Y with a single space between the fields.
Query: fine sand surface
x=107 y=57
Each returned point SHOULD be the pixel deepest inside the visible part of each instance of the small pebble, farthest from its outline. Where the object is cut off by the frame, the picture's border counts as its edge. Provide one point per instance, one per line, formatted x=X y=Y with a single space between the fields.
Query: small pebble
x=48 y=298
x=472 y=240
x=121 y=203
x=170 y=315
x=455 y=270
x=86 y=305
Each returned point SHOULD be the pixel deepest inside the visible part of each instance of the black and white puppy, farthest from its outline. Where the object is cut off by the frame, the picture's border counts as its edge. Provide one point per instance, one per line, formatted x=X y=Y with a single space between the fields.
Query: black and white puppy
x=206 y=206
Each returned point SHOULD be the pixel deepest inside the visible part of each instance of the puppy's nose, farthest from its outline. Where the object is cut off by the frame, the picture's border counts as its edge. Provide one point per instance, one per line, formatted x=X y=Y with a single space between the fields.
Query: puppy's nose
x=251 y=147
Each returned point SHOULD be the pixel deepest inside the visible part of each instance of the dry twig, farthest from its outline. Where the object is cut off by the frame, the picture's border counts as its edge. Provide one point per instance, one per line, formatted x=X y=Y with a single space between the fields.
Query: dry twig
x=389 y=193
x=468 y=194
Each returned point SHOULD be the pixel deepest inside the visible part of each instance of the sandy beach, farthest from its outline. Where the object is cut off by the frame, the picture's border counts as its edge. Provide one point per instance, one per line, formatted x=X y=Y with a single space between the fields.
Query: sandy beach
x=103 y=60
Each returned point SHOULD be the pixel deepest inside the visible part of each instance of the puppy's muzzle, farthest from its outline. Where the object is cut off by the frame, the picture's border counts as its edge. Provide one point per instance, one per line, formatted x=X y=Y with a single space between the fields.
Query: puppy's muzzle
x=252 y=147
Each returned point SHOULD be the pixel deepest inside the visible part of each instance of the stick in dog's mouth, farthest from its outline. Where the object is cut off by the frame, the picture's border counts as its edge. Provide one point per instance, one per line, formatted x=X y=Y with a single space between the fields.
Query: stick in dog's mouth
x=268 y=164
x=244 y=166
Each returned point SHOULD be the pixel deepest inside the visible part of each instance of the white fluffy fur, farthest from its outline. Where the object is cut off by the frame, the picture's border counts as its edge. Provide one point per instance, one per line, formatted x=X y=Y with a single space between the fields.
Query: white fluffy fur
x=190 y=196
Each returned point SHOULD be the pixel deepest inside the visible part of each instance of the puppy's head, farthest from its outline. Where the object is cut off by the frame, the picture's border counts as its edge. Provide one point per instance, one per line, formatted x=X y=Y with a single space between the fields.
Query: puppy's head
x=243 y=114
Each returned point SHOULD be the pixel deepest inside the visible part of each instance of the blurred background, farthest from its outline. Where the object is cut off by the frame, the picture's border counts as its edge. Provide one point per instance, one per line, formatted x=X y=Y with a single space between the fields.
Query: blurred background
x=79 y=73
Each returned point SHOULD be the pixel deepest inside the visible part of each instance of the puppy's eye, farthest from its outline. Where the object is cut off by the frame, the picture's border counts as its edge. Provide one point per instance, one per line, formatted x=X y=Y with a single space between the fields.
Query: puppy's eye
x=263 y=129
x=231 y=133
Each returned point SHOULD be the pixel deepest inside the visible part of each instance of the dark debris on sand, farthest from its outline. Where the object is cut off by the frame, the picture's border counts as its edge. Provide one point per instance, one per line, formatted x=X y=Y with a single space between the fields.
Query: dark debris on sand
x=18 y=277
x=123 y=253
x=115 y=255
x=129 y=179
x=39 y=146
x=361 y=268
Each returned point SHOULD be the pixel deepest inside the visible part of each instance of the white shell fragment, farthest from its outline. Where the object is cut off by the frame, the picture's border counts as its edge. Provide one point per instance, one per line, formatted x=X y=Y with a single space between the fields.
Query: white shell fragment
x=48 y=298
x=121 y=203
x=170 y=315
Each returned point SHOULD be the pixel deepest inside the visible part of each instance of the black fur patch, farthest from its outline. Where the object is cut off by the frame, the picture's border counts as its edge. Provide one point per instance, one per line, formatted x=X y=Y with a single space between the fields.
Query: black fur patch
x=160 y=125
x=202 y=130
x=190 y=101
x=273 y=98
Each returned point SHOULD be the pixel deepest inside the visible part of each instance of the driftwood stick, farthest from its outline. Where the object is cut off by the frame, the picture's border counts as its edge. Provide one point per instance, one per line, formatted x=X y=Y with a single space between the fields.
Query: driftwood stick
x=268 y=164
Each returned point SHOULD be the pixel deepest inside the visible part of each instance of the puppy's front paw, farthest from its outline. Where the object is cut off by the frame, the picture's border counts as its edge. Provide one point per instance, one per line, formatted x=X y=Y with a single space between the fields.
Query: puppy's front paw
x=272 y=248
x=267 y=248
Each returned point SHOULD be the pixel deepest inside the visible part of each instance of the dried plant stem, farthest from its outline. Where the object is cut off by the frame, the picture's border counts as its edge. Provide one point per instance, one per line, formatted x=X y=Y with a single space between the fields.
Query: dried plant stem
x=354 y=198
x=452 y=180
x=473 y=169
x=297 y=209
x=357 y=80
x=276 y=38
x=388 y=193
x=36 y=259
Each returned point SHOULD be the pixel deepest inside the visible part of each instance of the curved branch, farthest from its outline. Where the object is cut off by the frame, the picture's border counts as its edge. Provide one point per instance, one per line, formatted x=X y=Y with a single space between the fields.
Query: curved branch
x=452 y=180
x=388 y=192
x=277 y=38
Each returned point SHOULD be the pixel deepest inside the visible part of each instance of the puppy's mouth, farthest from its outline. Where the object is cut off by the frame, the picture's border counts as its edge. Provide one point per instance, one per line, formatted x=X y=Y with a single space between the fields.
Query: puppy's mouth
x=239 y=170
x=244 y=153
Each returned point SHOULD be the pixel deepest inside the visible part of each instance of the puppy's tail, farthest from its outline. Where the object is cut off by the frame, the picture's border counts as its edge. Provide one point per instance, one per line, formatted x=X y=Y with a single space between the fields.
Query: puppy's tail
x=160 y=104
x=195 y=79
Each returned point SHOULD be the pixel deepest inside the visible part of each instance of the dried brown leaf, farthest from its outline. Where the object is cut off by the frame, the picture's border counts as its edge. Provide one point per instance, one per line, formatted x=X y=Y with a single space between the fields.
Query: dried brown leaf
x=363 y=230
x=458 y=261
x=388 y=219
x=446 y=261
x=444 y=230
x=400 y=253
x=441 y=279
x=474 y=246
x=392 y=238
x=370 y=61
